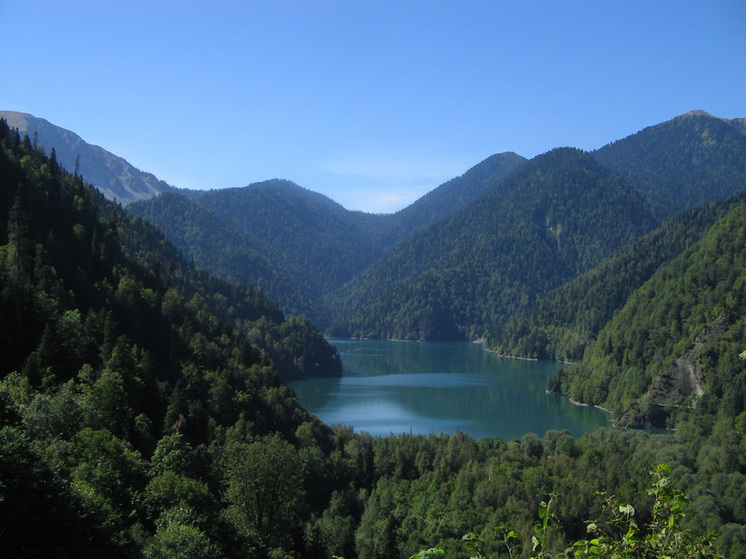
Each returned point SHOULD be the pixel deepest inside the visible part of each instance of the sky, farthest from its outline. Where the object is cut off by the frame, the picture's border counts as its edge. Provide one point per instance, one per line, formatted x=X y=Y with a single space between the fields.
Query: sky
x=372 y=103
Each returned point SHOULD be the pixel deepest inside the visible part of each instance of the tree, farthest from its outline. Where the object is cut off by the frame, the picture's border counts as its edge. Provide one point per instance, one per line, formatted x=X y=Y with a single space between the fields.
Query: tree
x=265 y=486
x=19 y=256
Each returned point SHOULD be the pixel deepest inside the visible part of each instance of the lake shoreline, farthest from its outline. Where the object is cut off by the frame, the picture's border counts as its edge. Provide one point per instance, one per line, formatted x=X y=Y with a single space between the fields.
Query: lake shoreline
x=391 y=386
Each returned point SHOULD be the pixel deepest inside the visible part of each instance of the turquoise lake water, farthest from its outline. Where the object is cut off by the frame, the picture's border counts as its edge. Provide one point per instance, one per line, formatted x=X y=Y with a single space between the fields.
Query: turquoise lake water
x=423 y=388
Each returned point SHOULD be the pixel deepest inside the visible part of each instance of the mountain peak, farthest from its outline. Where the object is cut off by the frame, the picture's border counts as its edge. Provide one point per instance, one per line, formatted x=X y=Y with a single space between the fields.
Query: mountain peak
x=698 y=112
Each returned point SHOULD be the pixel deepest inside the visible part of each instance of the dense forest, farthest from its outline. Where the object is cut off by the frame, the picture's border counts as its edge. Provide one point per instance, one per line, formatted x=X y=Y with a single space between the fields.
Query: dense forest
x=299 y=245
x=142 y=412
x=440 y=269
x=563 y=322
x=683 y=163
x=551 y=219
x=676 y=341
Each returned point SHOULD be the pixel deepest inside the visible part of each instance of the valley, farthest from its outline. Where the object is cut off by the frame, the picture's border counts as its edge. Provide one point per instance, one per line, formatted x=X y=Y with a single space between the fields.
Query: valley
x=148 y=346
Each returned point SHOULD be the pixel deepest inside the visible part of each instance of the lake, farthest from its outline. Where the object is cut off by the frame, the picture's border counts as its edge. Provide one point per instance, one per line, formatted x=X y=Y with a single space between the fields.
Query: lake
x=426 y=387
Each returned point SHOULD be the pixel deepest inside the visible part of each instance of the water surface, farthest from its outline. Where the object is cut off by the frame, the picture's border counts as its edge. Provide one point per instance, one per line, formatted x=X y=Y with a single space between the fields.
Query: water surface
x=422 y=388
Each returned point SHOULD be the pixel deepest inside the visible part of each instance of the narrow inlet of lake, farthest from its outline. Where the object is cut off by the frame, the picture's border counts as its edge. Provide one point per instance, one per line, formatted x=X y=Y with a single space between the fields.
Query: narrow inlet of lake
x=426 y=387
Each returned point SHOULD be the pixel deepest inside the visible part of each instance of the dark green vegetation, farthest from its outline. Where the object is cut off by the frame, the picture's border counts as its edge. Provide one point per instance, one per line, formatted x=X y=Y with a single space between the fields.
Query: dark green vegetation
x=310 y=245
x=142 y=415
x=470 y=259
x=677 y=339
x=554 y=217
x=683 y=163
x=560 y=324
x=215 y=244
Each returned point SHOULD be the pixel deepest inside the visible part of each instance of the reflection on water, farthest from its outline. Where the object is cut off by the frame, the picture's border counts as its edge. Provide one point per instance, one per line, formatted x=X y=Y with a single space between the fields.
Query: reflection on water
x=422 y=388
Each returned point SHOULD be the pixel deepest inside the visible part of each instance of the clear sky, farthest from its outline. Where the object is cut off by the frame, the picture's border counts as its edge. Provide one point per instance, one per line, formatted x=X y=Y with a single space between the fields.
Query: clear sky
x=372 y=103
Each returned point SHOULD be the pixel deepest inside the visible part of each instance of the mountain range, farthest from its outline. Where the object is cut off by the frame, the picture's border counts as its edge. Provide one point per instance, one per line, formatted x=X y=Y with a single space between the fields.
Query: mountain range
x=449 y=265
x=532 y=257
x=142 y=412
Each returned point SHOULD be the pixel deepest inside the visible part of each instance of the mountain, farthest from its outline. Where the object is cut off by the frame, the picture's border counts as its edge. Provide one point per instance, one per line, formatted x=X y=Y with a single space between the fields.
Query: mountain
x=564 y=321
x=443 y=201
x=676 y=342
x=425 y=272
x=275 y=232
x=553 y=218
x=141 y=412
x=312 y=237
x=683 y=163
x=104 y=260
x=213 y=243
x=130 y=363
x=112 y=175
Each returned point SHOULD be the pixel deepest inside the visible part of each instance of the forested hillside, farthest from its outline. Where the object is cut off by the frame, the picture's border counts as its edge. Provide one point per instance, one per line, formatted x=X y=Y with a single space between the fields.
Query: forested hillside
x=564 y=321
x=444 y=201
x=211 y=242
x=676 y=342
x=141 y=415
x=550 y=220
x=683 y=163
x=298 y=245
x=117 y=359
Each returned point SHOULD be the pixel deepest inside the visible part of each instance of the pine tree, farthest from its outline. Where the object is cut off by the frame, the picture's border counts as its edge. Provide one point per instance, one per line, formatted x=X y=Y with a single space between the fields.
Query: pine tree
x=19 y=254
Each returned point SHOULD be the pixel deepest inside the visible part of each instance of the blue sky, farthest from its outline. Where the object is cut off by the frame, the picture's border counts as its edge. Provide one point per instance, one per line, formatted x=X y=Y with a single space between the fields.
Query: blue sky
x=372 y=103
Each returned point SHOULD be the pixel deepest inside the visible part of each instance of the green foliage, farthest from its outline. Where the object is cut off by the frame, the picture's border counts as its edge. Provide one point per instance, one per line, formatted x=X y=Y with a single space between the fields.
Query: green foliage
x=664 y=537
x=677 y=339
x=297 y=245
x=686 y=162
x=265 y=486
x=121 y=363
x=211 y=242
x=563 y=322
x=554 y=217
x=142 y=413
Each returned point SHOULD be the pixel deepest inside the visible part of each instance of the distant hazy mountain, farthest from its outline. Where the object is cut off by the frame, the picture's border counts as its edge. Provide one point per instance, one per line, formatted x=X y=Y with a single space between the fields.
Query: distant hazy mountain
x=116 y=178
x=685 y=162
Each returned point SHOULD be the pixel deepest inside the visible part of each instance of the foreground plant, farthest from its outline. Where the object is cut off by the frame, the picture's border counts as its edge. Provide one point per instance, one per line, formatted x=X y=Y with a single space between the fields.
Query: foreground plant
x=619 y=537
x=664 y=539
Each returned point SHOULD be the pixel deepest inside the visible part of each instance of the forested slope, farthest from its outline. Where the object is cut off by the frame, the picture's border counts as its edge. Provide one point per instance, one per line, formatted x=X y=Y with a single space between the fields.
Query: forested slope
x=564 y=321
x=683 y=163
x=141 y=415
x=115 y=353
x=550 y=220
x=445 y=200
x=296 y=244
x=310 y=236
x=212 y=243
x=676 y=342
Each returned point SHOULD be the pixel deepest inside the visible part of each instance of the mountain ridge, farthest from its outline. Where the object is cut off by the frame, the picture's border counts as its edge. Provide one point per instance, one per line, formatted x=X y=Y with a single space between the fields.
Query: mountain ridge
x=507 y=246
x=688 y=161
x=111 y=174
